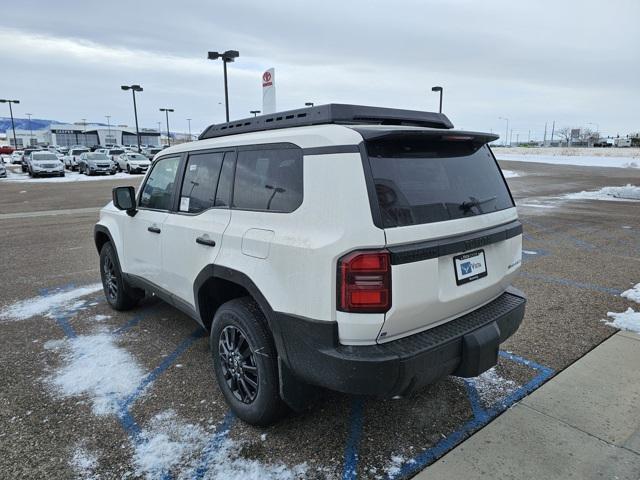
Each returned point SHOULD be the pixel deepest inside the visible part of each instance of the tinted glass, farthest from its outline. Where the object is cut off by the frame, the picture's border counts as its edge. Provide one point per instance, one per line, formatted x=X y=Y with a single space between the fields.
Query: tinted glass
x=269 y=180
x=44 y=156
x=136 y=157
x=97 y=156
x=116 y=152
x=159 y=186
x=225 y=184
x=78 y=152
x=200 y=182
x=423 y=180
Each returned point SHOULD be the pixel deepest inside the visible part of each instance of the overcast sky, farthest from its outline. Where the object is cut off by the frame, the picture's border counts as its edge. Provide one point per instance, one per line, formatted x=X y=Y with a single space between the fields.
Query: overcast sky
x=574 y=62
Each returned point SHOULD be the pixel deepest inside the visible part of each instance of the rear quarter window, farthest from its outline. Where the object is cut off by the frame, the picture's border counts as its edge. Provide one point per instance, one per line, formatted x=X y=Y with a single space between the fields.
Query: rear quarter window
x=424 y=180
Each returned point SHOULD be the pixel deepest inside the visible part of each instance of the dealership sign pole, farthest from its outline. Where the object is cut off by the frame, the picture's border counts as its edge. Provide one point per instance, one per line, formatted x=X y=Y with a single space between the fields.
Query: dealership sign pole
x=269 y=91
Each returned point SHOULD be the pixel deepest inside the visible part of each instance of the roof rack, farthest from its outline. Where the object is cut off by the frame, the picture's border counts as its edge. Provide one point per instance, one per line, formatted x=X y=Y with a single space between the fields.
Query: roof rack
x=331 y=113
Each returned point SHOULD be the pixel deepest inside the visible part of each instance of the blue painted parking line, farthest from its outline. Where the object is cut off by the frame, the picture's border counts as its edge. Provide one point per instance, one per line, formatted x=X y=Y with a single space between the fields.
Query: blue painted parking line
x=570 y=283
x=350 y=468
x=221 y=433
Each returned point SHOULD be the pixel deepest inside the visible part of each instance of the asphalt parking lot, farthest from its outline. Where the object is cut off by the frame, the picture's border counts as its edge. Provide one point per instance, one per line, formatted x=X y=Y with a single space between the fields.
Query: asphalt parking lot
x=578 y=256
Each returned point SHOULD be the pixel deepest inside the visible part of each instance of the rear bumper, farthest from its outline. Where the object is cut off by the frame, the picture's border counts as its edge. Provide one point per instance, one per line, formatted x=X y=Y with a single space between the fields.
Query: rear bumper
x=461 y=346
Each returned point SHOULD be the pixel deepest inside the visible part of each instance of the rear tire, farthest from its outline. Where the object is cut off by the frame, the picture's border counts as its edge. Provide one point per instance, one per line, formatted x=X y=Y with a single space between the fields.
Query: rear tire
x=119 y=295
x=245 y=362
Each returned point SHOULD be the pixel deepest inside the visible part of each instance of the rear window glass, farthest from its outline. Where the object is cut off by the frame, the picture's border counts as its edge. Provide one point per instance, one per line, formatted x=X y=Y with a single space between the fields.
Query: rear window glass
x=424 y=180
x=269 y=180
x=43 y=156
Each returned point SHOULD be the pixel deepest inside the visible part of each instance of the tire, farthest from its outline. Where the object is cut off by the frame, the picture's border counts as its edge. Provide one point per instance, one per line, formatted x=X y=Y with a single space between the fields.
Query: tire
x=119 y=296
x=262 y=404
x=62 y=174
x=129 y=169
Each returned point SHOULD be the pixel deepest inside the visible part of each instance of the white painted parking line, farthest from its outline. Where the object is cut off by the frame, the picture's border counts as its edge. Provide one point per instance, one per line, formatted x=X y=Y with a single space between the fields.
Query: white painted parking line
x=49 y=213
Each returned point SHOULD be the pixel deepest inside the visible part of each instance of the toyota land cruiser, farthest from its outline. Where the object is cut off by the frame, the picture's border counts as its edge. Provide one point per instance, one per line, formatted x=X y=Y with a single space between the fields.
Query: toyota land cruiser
x=361 y=249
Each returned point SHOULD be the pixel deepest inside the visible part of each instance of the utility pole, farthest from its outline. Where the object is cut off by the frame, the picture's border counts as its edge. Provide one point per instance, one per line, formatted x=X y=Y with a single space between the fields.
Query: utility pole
x=544 y=140
x=30 y=129
x=189 y=121
x=553 y=129
x=108 y=117
x=13 y=125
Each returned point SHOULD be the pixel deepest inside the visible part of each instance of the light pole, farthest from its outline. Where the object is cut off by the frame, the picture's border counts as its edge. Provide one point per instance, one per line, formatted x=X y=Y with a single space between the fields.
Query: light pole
x=13 y=126
x=134 y=89
x=506 y=136
x=228 y=56
x=309 y=104
x=108 y=117
x=255 y=112
x=438 y=89
x=189 y=121
x=84 y=131
x=30 y=129
x=166 y=111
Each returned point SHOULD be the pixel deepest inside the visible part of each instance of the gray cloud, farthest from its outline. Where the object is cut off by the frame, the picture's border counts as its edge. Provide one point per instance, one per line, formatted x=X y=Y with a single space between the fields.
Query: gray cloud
x=531 y=61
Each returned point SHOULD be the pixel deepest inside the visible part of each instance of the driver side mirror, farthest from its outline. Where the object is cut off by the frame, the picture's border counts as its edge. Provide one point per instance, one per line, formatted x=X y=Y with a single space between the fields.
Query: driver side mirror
x=124 y=198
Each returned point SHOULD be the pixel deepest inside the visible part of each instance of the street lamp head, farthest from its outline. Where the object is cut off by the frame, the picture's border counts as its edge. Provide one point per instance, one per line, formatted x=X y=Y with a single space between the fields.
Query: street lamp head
x=436 y=89
x=213 y=55
x=125 y=87
x=9 y=101
x=230 y=55
x=309 y=104
x=166 y=109
x=137 y=88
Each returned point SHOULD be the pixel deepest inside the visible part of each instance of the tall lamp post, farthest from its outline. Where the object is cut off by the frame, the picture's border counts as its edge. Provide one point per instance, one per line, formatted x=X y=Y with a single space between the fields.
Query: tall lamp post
x=30 y=129
x=134 y=89
x=189 y=122
x=438 y=89
x=108 y=117
x=255 y=112
x=228 y=56
x=13 y=126
x=166 y=111
x=506 y=136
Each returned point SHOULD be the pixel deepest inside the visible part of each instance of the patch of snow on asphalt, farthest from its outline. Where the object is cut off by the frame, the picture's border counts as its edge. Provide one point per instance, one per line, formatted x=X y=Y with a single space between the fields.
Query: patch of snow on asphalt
x=69 y=177
x=510 y=173
x=48 y=304
x=95 y=366
x=629 y=320
x=169 y=444
x=626 y=193
x=632 y=294
x=84 y=463
x=491 y=386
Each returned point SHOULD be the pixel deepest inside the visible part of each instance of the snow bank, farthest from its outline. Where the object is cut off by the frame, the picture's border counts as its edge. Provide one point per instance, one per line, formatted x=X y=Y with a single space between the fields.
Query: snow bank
x=48 y=304
x=510 y=173
x=84 y=463
x=68 y=177
x=96 y=367
x=578 y=160
x=629 y=320
x=629 y=153
x=629 y=192
x=632 y=294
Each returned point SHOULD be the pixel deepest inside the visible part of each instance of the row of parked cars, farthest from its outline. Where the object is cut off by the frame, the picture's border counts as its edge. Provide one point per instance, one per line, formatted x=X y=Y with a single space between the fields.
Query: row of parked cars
x=52 y=161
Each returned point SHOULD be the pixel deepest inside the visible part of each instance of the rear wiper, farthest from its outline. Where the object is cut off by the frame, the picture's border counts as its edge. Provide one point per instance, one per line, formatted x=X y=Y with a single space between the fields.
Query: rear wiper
x=474 y=202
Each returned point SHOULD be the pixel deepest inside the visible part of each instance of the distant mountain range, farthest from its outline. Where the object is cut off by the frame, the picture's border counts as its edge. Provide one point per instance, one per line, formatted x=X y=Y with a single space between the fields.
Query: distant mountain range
x=23 y=123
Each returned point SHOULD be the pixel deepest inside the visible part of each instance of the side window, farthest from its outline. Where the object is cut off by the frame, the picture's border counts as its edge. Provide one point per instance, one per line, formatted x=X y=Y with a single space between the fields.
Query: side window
x=269 y=180
x=225 y=184
x=157 y=191
x=200 y=182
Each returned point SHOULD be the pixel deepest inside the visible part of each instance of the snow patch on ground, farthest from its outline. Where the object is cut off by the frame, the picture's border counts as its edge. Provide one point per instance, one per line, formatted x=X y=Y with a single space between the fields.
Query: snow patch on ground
x=510 y=173
x=632 y=294
x=169 y=444
x=101 y=318
x=626 y=193
x=48 y=304
x=577 y=160
x=629 y=320
x=84 y=463
x=95 y=366
x=68 y=177
x=629 y=153
x=491 y=386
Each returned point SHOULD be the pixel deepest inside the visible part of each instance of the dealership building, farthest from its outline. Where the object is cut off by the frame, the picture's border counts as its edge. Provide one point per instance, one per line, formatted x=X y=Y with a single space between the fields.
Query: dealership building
x=61 y=135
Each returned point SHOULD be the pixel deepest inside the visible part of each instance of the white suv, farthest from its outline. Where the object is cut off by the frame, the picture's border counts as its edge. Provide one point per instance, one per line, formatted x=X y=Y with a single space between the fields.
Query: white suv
x=360 y=249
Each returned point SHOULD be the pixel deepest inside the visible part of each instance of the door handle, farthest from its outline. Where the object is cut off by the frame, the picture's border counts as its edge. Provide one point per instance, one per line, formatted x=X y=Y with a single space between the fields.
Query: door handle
x=206 y=241
x=153 y=229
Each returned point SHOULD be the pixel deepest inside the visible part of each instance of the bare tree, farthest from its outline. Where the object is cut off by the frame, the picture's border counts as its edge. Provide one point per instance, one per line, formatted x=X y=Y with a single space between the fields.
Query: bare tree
x=564 y=133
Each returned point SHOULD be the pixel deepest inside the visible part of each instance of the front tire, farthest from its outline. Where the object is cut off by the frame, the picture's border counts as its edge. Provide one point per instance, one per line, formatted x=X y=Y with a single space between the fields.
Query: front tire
x=245 y=362
x=119 y=295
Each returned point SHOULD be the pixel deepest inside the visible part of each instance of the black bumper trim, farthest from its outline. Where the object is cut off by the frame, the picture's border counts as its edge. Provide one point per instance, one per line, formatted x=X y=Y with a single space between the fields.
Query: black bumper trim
x=397 y=367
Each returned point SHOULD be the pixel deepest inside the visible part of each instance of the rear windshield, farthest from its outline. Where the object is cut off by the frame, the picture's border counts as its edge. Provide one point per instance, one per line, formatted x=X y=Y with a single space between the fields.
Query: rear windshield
x=78 y=152
x=44 y=156
x=424 y=180
x=116 y=152
x=97 y=156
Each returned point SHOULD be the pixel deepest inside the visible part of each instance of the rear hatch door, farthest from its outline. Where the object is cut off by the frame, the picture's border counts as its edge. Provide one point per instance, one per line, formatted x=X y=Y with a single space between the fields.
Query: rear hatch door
x=450 y=224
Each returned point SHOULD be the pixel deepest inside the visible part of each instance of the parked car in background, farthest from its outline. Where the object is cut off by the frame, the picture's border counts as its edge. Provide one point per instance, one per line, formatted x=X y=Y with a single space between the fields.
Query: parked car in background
x=114 y=153
x=6 y=149
x=71 y=160
x=44 y=164
x=63 y=150
x=152 y=152
x=93 y=163
x=16 y=157
x=133 y=162
x=25 y=156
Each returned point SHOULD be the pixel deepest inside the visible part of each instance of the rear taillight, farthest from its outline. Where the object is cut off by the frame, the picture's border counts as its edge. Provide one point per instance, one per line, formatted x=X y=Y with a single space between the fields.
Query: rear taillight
x=364 y=282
